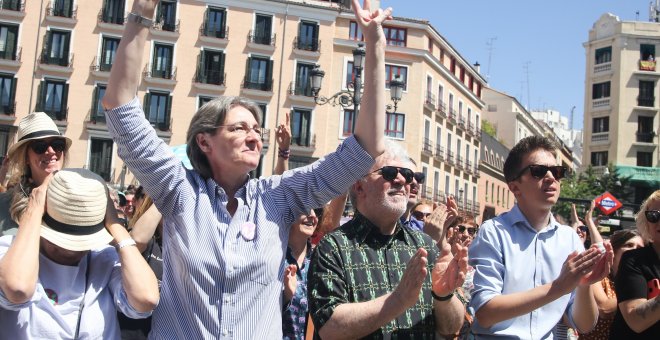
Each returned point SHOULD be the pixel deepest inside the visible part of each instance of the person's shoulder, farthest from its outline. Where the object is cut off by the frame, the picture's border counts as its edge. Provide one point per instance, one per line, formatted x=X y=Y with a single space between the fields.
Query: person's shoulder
x=639 y=254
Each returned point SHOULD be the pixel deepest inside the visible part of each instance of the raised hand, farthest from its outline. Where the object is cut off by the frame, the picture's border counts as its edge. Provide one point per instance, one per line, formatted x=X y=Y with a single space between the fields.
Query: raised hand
x=449 y=271
x=283 y=134
x=290 y=282
x=371 y=20
x=578 y=268
x=407 y=291
x=602 y=267
x=145 y=8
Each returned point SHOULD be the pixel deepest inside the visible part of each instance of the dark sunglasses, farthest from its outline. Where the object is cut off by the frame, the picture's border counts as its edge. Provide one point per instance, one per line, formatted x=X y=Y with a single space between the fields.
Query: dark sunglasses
x=470 y=230
x=583 y=229
x=419 y=215
x=420 y=177
x=389 y=173
x=539 y=171
x=41 y=146
x=652 y=216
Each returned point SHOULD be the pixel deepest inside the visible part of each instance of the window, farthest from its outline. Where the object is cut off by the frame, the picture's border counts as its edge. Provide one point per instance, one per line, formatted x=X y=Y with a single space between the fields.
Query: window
x=601 y=90
x=161 y=66
x=7 y=94
x=300 y=161
x=308 y=36
x=447 y=184
x=12 y=5
x=395 y=36
x=97 y=114
x=300 y=127
x=645 y=131
x=166 y=16
x=215 y=24
x=599 y=158
x=203 y=100
x=441 y=95
x=394 y=125
x=303 y=86
x=462 y=74
x=113 y=12
x=157 y=107
x=350 y=74
x=100 y=157
x=436 y=184
x=644 y=158
x=394 y=70
x=211 y=67
x=264 y=109
x=258 y=74
x=56 y=48
x=4 y=140
x=349 y=123
x=262 y=30
x=647 y=52
x=604 y=55
x=646 y=90
x=355 y=31
x=53 y=96
x=601 y=125
x=438 y=136
x=449 y=143
x=452 y=66
x=61 y=8
x=108 y=50
x=8 y=41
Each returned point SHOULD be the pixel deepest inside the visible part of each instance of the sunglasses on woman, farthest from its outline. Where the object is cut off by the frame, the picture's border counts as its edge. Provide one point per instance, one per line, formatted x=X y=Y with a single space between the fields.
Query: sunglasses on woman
x=539 y=171
x=470 y=230
x=652 y=216
x=389 y=173
x=420 y=215
x=41 y=146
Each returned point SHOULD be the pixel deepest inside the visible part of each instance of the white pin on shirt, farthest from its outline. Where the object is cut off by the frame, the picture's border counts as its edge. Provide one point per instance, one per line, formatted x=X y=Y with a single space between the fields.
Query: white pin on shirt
x=247 y=230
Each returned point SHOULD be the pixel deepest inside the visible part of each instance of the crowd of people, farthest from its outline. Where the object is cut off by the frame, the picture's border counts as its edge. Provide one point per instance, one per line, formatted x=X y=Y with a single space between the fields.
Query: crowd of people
x=209 y=252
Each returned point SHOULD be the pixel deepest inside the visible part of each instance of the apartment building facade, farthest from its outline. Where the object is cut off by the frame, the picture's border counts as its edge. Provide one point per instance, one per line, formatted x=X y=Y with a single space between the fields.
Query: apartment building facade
x=55 y=56
x=496 y=197
x=621 y=101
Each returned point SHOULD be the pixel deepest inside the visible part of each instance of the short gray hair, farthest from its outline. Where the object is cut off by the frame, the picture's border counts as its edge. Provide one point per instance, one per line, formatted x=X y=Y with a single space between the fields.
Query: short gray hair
x=393 y=151
x=206 y=120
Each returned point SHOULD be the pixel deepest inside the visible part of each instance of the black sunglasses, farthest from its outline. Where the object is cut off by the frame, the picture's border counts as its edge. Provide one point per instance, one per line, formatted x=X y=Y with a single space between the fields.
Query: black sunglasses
x=420 y=177
x=389 y=173
x=539 y=171
x=41 y=146
x=420 y=215
x=470 y=230
x=652 y=216
x=584 y=229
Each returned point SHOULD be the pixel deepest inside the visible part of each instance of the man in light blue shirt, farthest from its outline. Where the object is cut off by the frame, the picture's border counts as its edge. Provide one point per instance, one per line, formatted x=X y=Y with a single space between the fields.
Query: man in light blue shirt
x=530 y=271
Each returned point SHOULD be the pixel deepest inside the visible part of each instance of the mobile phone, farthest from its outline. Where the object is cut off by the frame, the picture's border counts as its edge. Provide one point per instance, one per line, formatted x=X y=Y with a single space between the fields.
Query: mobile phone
x=654 y=289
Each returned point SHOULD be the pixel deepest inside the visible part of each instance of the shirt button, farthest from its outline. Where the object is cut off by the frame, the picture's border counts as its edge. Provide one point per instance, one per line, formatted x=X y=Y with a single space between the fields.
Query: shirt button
x=226 y=299
x=224 y=332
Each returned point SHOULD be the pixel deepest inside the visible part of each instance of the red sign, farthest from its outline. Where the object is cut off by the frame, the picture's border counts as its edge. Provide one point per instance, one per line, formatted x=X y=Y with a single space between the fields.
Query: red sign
x=608 y=203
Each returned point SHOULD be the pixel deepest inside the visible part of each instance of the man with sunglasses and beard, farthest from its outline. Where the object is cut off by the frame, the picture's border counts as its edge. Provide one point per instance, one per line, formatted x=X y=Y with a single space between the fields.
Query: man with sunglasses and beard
x=373 y=278
x=530 y=271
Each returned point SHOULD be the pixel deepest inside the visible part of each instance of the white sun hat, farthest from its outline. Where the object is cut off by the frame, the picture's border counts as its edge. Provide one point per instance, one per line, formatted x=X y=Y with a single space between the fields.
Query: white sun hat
x=76 y=201
x=37 y=125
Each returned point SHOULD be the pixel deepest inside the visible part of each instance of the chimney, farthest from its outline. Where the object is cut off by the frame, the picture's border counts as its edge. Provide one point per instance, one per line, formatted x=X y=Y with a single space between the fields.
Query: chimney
x=477 y=67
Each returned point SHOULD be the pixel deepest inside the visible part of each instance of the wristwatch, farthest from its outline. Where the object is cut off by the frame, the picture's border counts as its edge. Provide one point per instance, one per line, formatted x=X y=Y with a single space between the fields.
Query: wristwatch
x=140 y=20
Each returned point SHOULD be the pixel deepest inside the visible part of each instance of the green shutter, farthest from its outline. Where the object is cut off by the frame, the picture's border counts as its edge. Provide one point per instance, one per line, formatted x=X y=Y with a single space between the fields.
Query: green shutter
x=222 y=67
x=203 y=74
x=315 y=43
x=12 y=95
x=40 y=97
x=246 y=80
x=269 y=76
x=65 y=100
x=95 y=100
x=168 y=114
x=147 y=106
x=45 y=53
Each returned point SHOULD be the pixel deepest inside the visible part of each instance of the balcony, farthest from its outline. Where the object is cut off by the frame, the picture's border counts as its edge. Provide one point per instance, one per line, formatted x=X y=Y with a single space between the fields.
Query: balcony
x=468 y=167
x=645 y=137
x=260 y=87
x=440 y=196
x=476 y=171
x=600 y=137
x=162 y=76
x=452 y=115
x=439 y=152
x=59 y=116
x=647 y=65
x=427 y=147
x=306 y=45
x=261 y=41
x=461 y=122
x=56 y=11
x=166 y=25
x=450 y=157
x=646 y=101
x=12 y=9
x=300 y=92
x=477 y=133
x=429 y=101
x=95 y=117
x=305 y=143
x=470 y=129
x=604 y=67
x=600 y=103
x=99 y=68
x=11 y=58
x=459 y=162
x=110 y=19
x=8 y=111
x=442 y=108
x=213 y=78
x=427 y=193
x=56 y=64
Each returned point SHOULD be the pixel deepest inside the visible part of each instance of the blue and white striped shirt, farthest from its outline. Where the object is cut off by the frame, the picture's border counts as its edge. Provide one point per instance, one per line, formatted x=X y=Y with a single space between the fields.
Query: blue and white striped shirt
x=216 y=284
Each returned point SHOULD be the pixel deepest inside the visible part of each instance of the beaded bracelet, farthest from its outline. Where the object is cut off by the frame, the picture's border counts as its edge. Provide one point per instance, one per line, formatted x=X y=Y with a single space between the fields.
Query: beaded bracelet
x=284 y=153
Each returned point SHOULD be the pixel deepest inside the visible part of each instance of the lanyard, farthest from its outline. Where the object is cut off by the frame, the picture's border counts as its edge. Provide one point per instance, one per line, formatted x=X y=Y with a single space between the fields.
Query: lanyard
x=82 y=302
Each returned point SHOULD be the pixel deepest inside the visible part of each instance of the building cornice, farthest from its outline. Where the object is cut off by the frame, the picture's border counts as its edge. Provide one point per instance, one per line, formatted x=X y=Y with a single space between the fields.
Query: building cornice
x=292 y=8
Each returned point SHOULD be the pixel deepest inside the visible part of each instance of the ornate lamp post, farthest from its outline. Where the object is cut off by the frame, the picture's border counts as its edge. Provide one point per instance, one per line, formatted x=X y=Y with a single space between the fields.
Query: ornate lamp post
x=352 y=96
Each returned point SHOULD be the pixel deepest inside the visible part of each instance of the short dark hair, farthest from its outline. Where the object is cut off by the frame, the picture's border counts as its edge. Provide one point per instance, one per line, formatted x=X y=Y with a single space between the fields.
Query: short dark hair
x=620 y=237
x=525 y=146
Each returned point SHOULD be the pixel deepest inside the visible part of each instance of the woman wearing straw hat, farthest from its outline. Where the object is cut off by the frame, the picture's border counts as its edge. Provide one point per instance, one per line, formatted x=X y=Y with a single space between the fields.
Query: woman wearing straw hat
x=58 y=277
x=39 y=151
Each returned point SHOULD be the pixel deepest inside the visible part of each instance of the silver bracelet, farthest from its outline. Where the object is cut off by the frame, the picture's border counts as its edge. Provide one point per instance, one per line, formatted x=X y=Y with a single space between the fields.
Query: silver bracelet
x=140 y=20
x=126 y=243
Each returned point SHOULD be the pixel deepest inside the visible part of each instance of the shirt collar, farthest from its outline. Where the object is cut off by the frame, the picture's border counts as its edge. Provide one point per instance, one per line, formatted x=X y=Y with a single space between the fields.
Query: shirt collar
x=516 y=216
x=220 y=194
x=367 y=232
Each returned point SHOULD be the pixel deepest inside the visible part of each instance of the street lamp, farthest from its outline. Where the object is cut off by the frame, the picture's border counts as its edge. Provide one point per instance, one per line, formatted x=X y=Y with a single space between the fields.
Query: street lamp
x=353 y=95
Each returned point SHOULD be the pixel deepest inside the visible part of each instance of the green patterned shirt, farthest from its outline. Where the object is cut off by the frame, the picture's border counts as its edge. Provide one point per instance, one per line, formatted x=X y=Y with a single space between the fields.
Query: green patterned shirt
x=356 y=263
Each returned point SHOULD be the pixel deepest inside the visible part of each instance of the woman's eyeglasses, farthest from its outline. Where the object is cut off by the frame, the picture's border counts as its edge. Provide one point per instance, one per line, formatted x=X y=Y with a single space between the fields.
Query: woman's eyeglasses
x=41 y=146
x=470 y=230
x=389 y=173
x=243 y=129
x=539 y=171
x=652 y=216
x=420 y=215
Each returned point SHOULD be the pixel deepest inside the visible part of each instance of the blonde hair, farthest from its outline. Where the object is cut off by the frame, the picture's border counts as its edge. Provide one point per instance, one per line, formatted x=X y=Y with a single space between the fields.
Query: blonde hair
x=640 y=218
x=147 y=202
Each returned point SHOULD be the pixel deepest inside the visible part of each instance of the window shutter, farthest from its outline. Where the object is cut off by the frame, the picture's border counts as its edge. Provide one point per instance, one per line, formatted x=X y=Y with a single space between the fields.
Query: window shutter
x=222 y=68
x=40 y=97
x=95 y=100
x=12 y=94
x=147 y=106
x=269 y=76
x=47 y=42
x=315 y=42
x=201 y=67
x=247 y=73
x=168 y=113
x=65 y=57
x=65 y=98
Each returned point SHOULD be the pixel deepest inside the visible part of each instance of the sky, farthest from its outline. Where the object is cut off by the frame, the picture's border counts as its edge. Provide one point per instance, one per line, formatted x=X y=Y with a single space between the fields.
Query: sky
x=532 y=50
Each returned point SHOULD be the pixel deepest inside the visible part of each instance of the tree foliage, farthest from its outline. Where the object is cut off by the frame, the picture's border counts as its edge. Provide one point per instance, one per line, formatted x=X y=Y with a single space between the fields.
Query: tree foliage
x=489 y=128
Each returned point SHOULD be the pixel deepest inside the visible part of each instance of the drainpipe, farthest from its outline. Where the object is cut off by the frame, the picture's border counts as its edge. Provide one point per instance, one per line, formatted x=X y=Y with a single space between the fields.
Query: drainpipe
x=279 y=88
x=36 y=54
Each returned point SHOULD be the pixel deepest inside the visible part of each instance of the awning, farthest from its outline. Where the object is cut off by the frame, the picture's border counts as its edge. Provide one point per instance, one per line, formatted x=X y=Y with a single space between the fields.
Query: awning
x=647 y=176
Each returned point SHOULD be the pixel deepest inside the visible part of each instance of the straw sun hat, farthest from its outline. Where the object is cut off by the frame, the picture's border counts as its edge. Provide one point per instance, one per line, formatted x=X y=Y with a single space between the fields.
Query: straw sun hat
x=75 y=211
x=37 y=125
